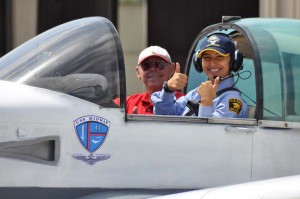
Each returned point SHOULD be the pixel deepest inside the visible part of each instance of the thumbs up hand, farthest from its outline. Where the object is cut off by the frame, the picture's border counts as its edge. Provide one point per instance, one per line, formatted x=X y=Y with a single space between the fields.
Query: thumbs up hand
x=178 y=81
x=207 y=91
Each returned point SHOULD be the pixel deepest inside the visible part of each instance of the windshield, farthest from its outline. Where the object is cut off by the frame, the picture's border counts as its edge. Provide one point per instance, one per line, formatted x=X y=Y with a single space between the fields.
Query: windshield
x=269 y=79
x=277 y=42
x=82 y=58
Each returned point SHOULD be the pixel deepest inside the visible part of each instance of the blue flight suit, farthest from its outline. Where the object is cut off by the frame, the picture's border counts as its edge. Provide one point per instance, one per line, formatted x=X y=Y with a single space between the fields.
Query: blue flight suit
x=228 y=104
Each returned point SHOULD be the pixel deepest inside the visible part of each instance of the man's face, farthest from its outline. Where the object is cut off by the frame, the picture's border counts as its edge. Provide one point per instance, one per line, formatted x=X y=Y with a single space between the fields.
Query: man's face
x=215 y=64
x=153 y=76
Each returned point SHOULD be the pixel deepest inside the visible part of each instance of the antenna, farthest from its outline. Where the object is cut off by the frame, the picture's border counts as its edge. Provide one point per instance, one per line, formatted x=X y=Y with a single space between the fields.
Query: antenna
x=226 y=19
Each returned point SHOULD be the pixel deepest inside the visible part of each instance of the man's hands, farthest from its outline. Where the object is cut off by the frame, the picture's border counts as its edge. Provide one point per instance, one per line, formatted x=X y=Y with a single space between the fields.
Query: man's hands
x=178 y=81
x=207 y=91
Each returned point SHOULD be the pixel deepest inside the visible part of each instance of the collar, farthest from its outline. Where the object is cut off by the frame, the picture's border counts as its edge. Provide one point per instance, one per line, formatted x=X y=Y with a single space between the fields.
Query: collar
x=146 y=98
x=226 y=83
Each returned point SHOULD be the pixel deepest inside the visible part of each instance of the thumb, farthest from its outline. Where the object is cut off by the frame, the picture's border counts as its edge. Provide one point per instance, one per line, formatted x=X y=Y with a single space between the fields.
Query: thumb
x=216 y=84
x=177 y=67
x=135 y=110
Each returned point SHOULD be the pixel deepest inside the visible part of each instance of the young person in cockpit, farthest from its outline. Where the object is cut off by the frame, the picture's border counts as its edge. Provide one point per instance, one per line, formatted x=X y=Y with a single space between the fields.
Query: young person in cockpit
x=217 y=97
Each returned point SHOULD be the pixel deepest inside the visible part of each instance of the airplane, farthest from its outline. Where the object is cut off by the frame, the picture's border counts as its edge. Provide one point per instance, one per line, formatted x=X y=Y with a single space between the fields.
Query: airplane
x=284 y=187
x=57 y=92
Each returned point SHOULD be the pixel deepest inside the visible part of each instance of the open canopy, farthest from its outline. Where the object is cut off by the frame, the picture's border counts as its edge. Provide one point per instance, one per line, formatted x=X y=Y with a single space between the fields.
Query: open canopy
x=82 y=58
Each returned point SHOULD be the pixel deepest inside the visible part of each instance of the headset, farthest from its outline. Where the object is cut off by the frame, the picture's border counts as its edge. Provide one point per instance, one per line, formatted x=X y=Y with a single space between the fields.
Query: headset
x=236 y=59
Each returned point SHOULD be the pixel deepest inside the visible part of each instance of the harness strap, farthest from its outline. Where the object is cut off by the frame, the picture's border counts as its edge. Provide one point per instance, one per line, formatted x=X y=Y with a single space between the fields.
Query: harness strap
x=194 y=105
x=220 y=92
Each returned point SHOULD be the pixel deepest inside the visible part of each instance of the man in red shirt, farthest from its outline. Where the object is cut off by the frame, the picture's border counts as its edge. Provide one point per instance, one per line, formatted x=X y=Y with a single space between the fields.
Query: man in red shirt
x=154 y=68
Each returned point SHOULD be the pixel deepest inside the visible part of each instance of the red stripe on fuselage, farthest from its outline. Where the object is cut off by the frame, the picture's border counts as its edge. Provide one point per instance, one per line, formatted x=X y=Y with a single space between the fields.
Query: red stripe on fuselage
x=89 y=134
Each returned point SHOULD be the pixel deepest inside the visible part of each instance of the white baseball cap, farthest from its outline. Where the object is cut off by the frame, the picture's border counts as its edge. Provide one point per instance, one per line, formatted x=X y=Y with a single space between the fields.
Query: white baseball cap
x=154 y=51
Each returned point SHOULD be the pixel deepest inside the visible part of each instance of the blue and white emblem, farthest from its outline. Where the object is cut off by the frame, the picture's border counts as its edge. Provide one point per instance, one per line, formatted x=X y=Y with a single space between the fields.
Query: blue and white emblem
x=91 y=131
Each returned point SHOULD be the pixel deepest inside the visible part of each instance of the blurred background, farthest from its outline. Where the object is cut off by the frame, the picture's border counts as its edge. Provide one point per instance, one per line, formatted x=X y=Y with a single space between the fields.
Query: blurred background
x=172 y=24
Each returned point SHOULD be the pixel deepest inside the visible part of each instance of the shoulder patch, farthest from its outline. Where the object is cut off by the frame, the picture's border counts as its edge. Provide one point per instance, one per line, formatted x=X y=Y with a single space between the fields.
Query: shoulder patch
x=235 y=105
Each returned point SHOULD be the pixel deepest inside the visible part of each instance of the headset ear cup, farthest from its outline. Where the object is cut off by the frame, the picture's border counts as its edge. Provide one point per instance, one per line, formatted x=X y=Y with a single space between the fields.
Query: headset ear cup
x=197 y=63
x=237 y=62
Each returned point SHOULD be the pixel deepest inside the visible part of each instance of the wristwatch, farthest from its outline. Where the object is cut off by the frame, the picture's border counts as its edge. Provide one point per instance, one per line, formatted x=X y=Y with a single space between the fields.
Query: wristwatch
x=166 y=88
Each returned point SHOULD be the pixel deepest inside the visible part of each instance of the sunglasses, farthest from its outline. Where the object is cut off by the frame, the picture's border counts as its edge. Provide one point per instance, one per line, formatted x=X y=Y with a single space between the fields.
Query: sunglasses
x=160 y=65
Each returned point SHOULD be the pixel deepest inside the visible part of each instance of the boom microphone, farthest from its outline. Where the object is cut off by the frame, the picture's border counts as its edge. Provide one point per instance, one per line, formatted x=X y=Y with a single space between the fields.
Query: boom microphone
x=223 y=78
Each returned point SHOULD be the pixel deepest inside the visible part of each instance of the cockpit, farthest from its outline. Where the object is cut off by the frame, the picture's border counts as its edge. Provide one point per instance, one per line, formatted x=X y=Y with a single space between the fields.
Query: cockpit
x=84 y=58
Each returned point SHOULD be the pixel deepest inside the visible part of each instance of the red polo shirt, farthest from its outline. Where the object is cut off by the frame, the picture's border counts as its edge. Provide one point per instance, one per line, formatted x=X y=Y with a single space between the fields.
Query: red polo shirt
x=142 y=102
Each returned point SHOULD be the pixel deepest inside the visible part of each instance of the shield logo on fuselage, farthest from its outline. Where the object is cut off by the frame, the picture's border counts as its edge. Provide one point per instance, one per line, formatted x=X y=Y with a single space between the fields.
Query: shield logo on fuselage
x=91 y=131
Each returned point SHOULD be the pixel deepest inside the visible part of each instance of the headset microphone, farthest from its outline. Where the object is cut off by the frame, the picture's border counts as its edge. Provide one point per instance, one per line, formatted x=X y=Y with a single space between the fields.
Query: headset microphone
x=223 y=78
